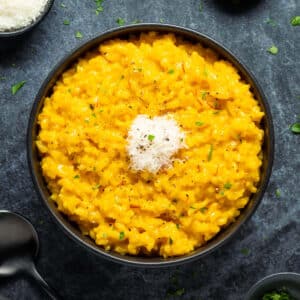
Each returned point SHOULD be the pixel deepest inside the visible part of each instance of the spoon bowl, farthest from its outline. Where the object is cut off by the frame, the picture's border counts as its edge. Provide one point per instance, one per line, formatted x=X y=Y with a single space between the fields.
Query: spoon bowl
x=19 y=245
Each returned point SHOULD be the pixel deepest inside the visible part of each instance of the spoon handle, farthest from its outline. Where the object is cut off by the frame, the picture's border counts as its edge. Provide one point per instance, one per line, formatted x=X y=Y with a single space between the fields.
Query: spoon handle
x=49 y=290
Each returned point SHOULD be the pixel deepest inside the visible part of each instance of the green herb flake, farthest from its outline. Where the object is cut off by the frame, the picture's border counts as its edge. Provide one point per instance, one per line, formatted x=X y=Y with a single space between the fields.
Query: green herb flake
x=295 y=128
x=295 y=21
x=177 y=226
x=17 y=86
x=210 y=152
x=121 y=236
x=245 y=251
x=161 y=20
x=204 y=95
x=273 y=50
x=281 y=294
x=198 y=123
x=120 y=21
x=227 y=185
x=94 y=115
x=67 y=22
x=96 y=187
x=63 y=5
x=151 y=137
x=76 y=177
x=179 y=292
x=171 y=71
x=104 y=235
x=277 y=193
x=203 y=209
x=170 y=241
x=99 y=7
x=200 y=6
x=79 y=35
x=271 y=22
x=136 y=21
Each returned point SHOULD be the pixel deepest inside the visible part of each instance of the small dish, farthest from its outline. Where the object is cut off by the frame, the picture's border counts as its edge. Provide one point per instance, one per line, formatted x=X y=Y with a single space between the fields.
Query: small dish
x=10 y=38
x=289 y=282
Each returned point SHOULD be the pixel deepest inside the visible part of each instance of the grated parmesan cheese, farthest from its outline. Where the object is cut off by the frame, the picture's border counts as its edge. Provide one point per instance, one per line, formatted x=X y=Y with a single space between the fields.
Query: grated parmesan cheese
x=153 y=142
x=15 y=14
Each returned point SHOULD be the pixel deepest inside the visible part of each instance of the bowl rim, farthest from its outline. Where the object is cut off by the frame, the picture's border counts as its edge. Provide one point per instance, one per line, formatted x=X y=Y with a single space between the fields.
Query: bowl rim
x=20 y=31
x=69 y=59
x=272 y=278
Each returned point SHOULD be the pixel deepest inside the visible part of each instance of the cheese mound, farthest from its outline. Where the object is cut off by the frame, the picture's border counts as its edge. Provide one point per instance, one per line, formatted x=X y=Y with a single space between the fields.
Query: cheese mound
x=15 y=14
x=153 y=142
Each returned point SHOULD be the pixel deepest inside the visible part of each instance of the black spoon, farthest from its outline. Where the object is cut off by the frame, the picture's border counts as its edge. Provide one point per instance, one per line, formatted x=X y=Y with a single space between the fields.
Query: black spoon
x=19 y=245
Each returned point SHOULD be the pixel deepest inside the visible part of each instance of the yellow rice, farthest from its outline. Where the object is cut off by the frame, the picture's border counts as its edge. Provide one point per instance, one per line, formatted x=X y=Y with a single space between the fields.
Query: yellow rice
x=82 y=141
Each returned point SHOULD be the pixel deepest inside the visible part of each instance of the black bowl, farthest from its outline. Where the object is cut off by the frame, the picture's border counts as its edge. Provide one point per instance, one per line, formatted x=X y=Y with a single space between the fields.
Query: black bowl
x=289 y=282
x=73 y=231
x=9 y=39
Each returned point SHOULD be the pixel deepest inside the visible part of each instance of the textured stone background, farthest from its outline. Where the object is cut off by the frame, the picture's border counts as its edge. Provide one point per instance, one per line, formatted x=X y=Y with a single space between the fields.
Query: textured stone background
x=272 y=234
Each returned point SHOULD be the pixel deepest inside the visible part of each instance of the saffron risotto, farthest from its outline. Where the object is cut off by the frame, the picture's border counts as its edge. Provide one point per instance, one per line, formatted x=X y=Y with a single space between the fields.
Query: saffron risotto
x=83 y=144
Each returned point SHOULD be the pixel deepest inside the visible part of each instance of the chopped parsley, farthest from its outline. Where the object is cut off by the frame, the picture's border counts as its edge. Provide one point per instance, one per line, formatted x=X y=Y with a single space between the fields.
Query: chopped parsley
x=271 y=22
x=121 y=236
x=151 y=137
x=96 y=187
x=170 y=241
x=245 y=251
x=295 y=21
x=277 y=295
x=210 y=152
x=63 y=5
x=79 y=35
x=136 y=21
x=277 y=193
x=99 y=7
x=161 y=20
x=120 y=21
x=200 y=6
x=198 y=123
x=76 y=177
x=171 y=71
x=17 y=86
x=177 y=226
x=67 y=22
x=204 y=95
x=104 y=235
x=203 y=209
x=179 y=292
x=295 y=128
x=227 y=185
x=273 y=50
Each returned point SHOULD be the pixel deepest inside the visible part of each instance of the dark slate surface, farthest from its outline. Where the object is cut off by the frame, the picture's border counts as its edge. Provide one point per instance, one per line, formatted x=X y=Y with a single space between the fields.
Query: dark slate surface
x=271 y=237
